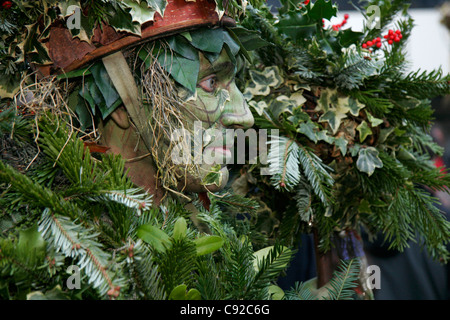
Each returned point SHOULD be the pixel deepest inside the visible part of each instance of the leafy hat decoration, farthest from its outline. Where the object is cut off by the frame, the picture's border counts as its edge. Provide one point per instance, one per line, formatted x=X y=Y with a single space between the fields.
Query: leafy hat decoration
x=37 y=33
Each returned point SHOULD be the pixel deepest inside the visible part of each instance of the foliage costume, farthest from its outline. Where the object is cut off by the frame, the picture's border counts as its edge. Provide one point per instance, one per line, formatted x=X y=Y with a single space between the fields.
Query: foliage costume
x=105 y=99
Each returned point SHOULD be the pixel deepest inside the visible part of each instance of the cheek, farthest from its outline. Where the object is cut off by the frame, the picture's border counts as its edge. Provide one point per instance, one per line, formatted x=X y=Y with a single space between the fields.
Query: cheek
x=205 y=108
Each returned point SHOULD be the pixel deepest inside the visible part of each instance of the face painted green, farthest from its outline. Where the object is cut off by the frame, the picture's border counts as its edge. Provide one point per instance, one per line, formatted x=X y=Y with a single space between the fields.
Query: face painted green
x=218 y=104
x=217 y=99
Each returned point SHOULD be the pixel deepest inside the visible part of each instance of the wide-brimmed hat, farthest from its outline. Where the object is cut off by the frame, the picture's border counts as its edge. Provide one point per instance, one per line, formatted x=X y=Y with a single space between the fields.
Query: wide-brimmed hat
x=68 y=53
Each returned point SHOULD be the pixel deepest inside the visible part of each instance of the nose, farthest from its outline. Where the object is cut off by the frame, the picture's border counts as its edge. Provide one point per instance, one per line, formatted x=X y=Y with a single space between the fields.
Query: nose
x=236 y=113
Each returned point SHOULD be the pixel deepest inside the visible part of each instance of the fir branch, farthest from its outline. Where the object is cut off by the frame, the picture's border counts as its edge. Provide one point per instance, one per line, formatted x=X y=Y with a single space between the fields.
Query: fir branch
x=344 y=280
x=422 y=84
x=76 y=242
x=283 y=160
x=317 y=174
x=269 y=268
x=133 y=198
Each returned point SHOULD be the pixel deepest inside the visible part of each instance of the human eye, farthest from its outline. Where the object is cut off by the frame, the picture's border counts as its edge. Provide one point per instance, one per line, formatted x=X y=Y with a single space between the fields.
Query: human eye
x=209 y=83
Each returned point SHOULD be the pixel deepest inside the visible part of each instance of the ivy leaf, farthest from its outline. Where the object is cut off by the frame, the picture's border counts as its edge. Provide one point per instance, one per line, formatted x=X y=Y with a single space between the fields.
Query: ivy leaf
x=246 y=39
x=334 y=116
x=184 y=71
x=364 y=131
x=308 y=128
x=298 y=116
x=368 y=160
x=355 y=106
x=181 y=46
x=375 y=122
x=179 y=293
x=210 y=40
x=341 y=143
x=214 y=176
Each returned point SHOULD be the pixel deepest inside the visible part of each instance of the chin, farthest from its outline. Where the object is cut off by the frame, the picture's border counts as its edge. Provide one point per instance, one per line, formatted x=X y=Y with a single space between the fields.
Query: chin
x=193 y=184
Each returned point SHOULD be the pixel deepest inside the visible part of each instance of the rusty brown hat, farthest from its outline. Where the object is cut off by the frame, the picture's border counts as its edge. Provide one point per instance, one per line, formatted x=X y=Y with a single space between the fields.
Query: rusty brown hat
x=69 y=53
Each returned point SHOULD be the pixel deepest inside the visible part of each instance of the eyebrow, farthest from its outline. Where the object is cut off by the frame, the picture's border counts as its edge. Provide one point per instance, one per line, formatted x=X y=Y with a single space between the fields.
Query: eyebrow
x=216 y=67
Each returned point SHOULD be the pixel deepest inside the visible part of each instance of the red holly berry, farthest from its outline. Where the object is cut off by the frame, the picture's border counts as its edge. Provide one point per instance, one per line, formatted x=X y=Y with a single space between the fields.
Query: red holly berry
x=369 y=43
x=398 y=32
x=346 y=16
x=378 y=44
x=306 y=2
x=390 y=41
x=7 y=5
x=364 y=45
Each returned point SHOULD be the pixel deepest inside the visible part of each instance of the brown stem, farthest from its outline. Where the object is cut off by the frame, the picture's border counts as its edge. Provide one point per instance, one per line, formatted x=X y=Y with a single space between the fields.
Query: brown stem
x=324 y=262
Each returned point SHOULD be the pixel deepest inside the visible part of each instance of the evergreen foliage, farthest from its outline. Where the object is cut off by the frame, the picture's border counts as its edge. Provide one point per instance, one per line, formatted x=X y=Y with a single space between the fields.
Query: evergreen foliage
x=355 y=149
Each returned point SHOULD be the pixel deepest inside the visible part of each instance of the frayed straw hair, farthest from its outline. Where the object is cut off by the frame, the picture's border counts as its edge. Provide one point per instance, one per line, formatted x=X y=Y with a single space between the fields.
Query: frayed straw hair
x=166 y=114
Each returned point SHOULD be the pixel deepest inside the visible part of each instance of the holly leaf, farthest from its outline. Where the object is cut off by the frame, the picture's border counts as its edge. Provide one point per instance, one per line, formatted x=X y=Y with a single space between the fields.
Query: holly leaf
x=158 y=5
x=368 y=160
x=140 y=12
x=296 y=26
x=348 y=37
x=246 y=39
x=322 y=10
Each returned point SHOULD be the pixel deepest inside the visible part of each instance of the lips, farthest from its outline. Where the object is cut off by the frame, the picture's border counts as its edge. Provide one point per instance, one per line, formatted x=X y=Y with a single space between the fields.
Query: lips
x=220 y=154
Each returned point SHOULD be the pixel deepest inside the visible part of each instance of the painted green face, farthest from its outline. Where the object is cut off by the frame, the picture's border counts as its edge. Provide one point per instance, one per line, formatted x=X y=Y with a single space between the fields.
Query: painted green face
x=218 y=104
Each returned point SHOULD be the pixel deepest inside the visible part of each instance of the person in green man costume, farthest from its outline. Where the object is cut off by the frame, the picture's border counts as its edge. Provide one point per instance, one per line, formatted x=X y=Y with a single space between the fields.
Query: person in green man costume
x=179 y=72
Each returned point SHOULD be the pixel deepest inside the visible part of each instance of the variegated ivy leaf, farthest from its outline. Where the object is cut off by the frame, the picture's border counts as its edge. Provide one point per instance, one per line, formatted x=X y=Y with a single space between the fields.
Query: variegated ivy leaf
x=355 y=106
x=258 y=106
x=334 y=116
x=368 y=160
x=364 y=131
x=298 y=116
x=327 y=97
x=298 y=98
x=341 y=143
x=214 y=176
x=308 y=129
x=281 y=105
x=262 y=81
x=64 y=7
x=375 y=122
